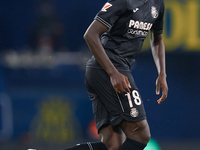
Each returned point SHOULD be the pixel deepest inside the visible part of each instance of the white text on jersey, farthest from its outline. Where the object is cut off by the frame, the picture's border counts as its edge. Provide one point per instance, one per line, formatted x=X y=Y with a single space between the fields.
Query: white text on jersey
x=135 y=10
x=140 y=25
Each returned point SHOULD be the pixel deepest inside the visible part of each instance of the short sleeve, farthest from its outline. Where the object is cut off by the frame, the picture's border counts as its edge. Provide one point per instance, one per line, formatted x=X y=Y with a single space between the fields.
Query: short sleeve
x=158 y=24
x=110 y=12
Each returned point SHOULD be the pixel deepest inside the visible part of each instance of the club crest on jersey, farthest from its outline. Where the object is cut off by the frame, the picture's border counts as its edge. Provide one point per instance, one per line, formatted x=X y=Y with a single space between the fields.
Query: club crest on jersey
x=134 y=112
x=106 y=6
x=154 y=12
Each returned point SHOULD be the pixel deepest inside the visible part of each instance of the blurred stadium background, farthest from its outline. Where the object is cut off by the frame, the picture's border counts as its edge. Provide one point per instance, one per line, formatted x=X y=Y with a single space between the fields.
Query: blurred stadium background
x=43 y=99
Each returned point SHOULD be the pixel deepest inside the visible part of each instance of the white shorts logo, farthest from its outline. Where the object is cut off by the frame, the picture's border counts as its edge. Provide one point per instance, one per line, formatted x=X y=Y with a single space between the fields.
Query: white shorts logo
x=134 y=113
x=154 y=12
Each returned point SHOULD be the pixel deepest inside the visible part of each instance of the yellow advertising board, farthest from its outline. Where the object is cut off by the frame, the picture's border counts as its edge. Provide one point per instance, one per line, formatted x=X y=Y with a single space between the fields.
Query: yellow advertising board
x=181 y=25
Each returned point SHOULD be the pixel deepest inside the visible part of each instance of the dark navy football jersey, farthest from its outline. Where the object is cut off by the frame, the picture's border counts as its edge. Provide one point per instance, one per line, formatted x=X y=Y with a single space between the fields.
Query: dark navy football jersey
x=128 y=23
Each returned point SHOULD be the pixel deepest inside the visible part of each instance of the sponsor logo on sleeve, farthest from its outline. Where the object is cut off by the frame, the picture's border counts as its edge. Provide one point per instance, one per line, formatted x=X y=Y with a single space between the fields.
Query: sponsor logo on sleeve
x=106 y=6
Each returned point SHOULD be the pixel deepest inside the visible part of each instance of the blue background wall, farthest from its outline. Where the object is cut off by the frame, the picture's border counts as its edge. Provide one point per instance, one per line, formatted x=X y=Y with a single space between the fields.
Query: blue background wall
x=51 y=104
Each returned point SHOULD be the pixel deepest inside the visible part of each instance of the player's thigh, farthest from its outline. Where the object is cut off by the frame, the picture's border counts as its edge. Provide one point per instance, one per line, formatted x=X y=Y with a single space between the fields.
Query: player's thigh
x=98 y=82
x=138 y=131
x=100 y=113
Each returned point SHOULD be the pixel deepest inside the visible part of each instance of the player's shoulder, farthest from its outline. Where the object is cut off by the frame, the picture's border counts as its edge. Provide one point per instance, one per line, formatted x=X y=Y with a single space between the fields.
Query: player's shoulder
x=134 y=2
x=120 y=4
x=140 y=3
x=162 y=5
x=131 y=4
x=117 y=1
x=158 y=2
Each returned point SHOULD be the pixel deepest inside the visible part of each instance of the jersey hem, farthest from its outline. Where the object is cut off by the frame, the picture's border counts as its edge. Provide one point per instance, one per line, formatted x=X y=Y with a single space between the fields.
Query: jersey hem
x=157 y=32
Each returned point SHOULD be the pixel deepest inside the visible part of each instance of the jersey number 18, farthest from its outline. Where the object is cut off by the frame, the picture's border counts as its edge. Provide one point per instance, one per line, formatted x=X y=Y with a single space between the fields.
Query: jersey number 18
x=136 y=98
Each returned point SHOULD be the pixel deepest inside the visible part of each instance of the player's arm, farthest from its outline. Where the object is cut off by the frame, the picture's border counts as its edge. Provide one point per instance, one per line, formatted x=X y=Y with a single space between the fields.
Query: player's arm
x=158 y=52
x=94 y=31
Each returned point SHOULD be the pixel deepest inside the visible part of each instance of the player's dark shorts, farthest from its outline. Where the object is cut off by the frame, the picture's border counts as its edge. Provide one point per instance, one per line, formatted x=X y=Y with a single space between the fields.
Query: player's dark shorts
x=110 y=107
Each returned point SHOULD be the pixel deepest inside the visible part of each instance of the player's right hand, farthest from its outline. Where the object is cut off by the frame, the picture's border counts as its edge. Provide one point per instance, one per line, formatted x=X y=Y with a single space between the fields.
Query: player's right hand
x=120 y=83
x=161 y=83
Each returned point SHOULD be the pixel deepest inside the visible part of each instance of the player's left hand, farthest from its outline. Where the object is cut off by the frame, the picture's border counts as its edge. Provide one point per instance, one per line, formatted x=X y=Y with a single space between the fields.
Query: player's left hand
x=161 y=83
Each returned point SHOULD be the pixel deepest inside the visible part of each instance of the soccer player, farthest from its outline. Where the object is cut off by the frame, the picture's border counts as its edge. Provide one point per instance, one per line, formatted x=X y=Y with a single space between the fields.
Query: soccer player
x=115 y=38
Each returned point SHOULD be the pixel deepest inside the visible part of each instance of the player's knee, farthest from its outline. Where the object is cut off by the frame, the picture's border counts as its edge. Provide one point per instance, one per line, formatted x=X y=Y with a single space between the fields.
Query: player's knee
x=112 y=137
x=111 y=141
x=146 y=138
x=145 y=132
x=112 y=144
x=137 y=131
x=113 y=147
